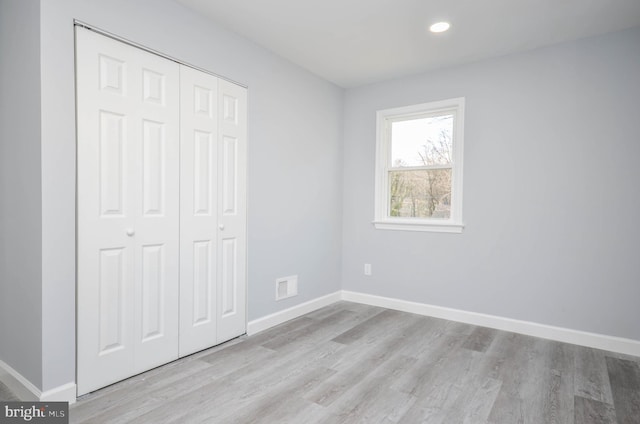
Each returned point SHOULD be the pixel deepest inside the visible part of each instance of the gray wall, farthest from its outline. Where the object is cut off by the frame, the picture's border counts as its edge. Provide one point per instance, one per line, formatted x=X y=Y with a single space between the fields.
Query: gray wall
x=20 y=188
x=551 y=196
x=294 y=177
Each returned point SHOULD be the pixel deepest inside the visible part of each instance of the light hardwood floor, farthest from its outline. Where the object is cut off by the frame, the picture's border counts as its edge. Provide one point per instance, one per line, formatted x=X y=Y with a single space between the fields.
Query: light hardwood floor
x=351 y=363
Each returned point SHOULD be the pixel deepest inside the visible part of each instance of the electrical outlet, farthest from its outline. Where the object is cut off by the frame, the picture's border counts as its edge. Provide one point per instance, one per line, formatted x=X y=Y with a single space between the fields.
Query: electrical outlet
x=367 y=269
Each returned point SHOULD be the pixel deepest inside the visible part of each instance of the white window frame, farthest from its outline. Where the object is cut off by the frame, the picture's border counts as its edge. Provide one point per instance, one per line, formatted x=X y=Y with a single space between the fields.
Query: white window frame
x=383 y=220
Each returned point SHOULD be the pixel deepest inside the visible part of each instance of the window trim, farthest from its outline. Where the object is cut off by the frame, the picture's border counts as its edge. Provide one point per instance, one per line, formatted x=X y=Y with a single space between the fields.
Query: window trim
x=384 y=118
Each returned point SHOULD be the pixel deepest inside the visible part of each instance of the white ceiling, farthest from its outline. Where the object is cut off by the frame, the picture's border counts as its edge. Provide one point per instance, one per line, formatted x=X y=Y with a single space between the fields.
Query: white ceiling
x=356 y=42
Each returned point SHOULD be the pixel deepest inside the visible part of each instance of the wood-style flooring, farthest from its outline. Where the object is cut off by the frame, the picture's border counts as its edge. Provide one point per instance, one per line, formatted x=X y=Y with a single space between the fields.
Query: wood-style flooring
x=7 y=395
x=352 y=363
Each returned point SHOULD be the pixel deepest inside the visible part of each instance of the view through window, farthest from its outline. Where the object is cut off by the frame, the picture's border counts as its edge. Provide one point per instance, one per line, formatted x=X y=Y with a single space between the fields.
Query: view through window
x=420 y=172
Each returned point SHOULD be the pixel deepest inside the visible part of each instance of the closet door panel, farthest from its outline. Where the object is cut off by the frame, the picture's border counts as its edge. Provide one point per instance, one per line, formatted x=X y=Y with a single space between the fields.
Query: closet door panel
x=198 y=205
x=127 y=194
x=156 y=173
x=232 y=151
x=106 y=123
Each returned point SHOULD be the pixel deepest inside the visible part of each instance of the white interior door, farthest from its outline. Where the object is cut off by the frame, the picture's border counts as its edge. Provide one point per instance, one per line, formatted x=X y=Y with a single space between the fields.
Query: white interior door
x=232 y=215
x=198 y=209
x=128 y=213
x=213 y=211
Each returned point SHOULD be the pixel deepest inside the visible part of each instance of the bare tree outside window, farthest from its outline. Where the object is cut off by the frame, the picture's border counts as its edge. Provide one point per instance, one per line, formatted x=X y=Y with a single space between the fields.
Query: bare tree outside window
x=420 y=173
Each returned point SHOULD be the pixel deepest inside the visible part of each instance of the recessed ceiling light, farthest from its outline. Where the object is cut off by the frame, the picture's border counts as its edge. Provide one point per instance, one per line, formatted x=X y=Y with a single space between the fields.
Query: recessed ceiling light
x=439 y=27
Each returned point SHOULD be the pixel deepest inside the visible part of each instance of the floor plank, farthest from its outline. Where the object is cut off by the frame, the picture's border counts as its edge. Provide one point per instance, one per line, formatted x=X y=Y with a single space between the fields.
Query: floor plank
x=480 y=339
x=589 y=411
x=624 y=376
x=558 y=392
x=592 y=378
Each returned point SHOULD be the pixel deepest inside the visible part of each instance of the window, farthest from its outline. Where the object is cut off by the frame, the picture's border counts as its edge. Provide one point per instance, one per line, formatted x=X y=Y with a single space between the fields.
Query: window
x=419 y=167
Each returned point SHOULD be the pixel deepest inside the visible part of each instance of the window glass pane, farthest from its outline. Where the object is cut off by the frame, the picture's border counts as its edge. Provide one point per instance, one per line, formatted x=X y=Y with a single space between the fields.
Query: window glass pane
x=422 y=141
x=420 y=193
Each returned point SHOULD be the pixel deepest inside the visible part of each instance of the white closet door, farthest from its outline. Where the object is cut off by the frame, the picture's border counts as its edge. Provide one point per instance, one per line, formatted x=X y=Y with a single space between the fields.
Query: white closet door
x=213 y=211
x=232 y=215
x=128 y=217
x=198 y=209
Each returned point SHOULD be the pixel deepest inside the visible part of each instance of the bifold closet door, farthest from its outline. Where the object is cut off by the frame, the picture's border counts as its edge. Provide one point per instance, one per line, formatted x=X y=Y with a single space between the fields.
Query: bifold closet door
x=161 y=210
x=128 y=210
x=212 y=211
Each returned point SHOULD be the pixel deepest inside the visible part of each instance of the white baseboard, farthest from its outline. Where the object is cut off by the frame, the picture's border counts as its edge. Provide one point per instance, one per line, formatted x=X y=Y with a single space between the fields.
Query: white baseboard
x=566 y=335
x=25 y=390
x=279 y=317
x=65 y=393
x=18 y=384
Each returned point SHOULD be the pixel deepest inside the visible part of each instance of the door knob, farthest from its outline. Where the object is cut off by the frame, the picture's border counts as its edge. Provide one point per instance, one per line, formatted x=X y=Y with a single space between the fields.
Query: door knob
x=221 y=226
x=130 y=232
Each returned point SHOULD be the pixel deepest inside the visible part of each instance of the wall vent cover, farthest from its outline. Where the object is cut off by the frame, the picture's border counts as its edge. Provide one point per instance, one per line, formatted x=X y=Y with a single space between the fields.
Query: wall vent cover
x=286 y=287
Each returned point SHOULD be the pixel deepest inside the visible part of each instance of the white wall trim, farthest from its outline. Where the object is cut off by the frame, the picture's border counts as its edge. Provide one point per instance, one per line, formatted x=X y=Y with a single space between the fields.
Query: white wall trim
x=65 y=393
x=410 y=225
x=279 y=317
x=23 y=388
x=27 y=391
x=566 y=335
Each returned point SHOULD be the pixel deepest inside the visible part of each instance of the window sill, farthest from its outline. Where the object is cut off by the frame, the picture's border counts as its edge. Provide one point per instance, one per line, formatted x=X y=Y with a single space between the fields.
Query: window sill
x=415 y=225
